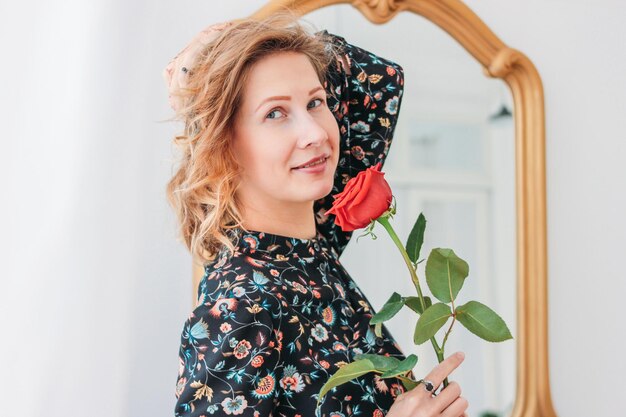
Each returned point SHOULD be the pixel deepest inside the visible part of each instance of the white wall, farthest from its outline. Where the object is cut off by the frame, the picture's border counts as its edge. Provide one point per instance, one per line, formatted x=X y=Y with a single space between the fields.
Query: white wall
x=94 y=288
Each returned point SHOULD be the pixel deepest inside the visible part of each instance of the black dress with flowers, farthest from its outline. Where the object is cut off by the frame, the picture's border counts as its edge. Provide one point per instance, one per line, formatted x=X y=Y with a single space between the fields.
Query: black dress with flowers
x=277 y=318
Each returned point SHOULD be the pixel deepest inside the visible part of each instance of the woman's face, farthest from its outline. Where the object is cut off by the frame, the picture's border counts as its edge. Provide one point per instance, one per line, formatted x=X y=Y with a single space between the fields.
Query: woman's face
x=283 y=122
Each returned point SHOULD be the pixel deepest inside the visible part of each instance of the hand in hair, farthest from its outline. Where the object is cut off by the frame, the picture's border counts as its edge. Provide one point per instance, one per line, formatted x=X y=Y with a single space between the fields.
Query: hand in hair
x=177 y=71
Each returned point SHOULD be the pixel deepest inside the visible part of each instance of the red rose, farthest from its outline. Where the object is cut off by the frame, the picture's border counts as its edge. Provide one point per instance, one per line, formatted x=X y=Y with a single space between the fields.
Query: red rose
x=364 y=199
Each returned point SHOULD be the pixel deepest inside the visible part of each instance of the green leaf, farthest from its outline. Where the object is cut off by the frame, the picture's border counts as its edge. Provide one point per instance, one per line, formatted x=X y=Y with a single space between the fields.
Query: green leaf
x=445 y=274
x=483 y=322
x=414 y=303
x=346 y=373
x=416 y=238
x=378 y=329
x=430 y=322
x=381 y=362
x=409 y=384
x=391 y=307
x=402 y=368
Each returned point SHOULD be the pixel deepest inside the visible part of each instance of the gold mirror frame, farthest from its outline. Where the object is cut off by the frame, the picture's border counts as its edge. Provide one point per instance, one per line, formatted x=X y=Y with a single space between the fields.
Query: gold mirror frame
x=533 y=396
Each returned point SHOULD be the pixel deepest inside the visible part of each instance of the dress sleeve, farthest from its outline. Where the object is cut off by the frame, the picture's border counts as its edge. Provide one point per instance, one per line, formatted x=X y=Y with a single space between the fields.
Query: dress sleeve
x=364 y=94
x=228 y=356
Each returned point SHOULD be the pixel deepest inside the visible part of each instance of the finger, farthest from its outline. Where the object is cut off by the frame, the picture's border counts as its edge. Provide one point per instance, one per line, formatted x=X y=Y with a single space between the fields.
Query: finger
x=167 y=73
x=456 y=408
x=441 y=371
x=447 y=396
x=211 y=32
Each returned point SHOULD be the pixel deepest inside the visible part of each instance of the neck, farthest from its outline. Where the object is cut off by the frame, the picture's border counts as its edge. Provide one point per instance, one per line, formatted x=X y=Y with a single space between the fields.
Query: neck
x=293 y=220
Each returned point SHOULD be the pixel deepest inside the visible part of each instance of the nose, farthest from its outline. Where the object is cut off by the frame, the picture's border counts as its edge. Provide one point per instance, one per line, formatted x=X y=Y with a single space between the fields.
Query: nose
x=312 y=132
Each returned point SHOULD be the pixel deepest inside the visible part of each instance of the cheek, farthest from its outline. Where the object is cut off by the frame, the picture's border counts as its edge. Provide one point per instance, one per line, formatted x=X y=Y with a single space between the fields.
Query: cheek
x=263 y=152
x=333 y=133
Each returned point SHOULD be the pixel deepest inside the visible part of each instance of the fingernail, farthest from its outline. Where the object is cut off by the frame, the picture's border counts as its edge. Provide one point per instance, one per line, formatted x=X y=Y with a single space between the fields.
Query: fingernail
x=460 y=355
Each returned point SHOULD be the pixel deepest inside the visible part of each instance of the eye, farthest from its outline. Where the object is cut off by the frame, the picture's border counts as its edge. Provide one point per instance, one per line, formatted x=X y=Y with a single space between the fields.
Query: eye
x=269 y=115
x=272 y=112
x=319 y=99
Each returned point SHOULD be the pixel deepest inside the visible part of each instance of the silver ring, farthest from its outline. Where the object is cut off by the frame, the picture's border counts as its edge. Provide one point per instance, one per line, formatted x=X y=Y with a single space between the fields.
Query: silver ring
x=428 y=385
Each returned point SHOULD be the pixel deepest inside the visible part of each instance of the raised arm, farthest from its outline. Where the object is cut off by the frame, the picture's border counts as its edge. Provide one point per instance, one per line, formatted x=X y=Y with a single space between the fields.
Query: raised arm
x=364 y=93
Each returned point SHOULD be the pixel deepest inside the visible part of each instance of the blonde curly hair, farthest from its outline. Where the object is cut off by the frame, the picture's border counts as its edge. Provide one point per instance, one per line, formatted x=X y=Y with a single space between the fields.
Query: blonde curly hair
x=203 y=189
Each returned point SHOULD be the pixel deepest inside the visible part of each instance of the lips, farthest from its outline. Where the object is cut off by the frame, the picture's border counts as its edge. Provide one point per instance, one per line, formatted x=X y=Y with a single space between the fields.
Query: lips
x=316 y=159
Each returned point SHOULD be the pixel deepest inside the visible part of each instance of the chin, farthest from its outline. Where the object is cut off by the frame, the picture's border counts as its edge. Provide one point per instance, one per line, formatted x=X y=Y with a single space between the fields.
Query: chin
x=320 y=192
x=328 y=189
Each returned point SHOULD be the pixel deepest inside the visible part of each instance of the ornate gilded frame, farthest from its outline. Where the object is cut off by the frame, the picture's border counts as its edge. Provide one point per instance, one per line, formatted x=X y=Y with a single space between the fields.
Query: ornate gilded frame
x=533 y=396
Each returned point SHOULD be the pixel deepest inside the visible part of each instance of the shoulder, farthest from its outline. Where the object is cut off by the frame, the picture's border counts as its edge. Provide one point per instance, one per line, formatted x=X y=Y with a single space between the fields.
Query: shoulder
x=239 y=279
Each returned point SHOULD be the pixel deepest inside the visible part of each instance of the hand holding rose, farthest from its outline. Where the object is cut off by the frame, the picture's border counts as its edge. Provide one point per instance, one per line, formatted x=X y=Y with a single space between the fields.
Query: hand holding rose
x=366 y=200
x=421 y=403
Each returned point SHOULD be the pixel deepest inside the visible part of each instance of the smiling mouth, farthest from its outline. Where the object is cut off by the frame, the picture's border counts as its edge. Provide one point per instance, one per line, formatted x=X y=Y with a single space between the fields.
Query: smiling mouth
x=315 y=163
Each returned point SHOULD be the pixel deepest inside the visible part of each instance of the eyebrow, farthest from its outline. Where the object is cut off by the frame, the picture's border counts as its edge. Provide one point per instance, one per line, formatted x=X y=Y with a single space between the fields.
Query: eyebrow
x=286 y=97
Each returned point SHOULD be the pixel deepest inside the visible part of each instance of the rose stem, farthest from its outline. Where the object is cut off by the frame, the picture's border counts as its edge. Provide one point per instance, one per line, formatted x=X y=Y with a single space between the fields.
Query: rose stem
x=384 y=220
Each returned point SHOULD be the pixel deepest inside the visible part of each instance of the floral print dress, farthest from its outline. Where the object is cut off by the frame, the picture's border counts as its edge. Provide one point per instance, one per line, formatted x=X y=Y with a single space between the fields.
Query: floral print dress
x=277 y=318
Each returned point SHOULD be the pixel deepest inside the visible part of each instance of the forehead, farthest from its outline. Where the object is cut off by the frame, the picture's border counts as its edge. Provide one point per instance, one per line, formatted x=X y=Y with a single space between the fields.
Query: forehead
x=280 y=73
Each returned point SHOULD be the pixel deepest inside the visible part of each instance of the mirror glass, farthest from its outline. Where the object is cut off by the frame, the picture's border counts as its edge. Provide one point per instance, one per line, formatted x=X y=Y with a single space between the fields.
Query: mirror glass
x=452 y=158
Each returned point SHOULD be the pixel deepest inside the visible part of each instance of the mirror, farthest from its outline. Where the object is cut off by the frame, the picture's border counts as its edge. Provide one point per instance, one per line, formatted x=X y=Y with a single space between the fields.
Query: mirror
x=452 y=158
x=475 y=182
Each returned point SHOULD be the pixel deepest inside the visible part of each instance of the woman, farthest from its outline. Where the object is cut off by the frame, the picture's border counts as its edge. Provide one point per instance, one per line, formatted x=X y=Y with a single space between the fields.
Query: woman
x=277 y=120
